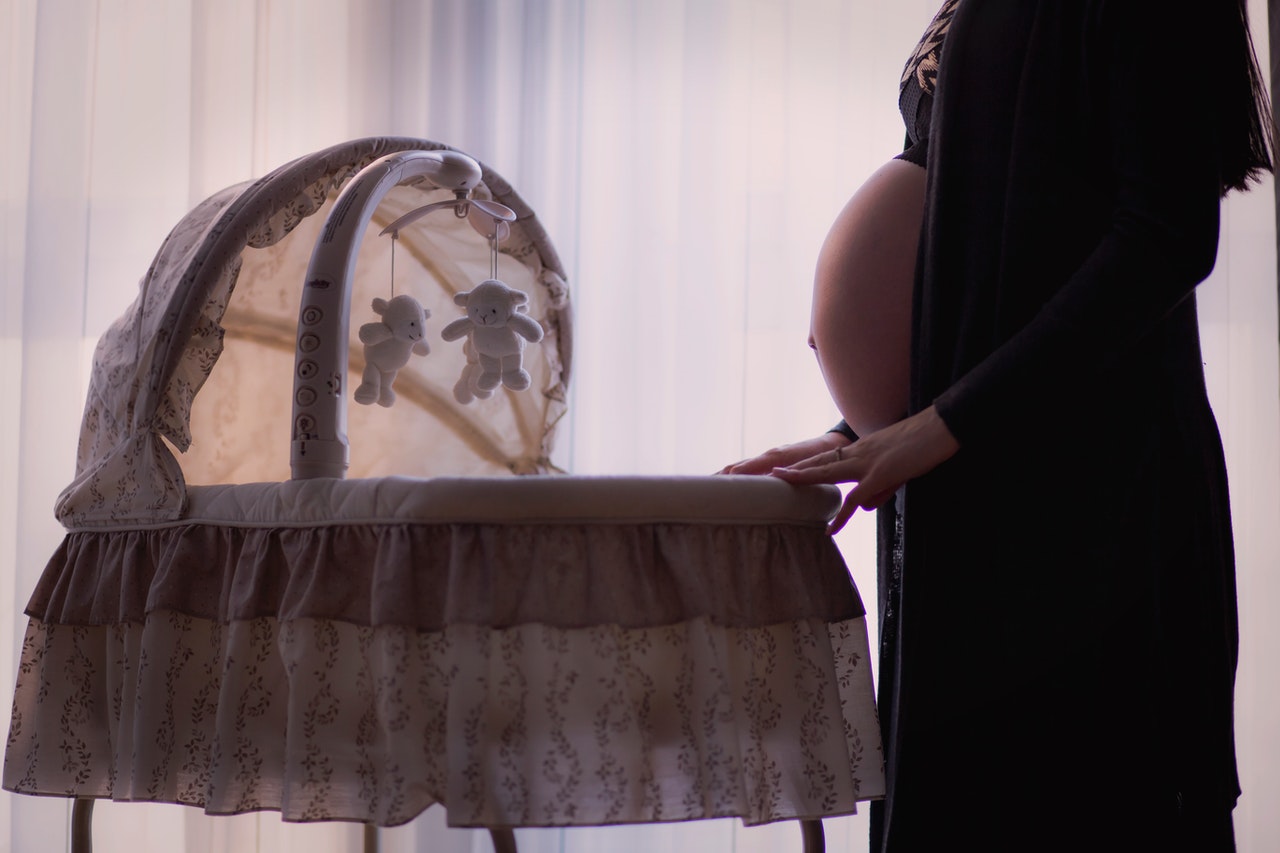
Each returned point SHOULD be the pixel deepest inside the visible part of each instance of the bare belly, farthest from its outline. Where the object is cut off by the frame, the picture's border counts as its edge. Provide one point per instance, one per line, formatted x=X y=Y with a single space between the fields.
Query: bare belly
x=861 y=322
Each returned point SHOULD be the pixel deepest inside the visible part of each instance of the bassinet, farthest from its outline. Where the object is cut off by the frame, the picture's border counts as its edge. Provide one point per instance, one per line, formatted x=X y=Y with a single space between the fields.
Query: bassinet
x=544 y=650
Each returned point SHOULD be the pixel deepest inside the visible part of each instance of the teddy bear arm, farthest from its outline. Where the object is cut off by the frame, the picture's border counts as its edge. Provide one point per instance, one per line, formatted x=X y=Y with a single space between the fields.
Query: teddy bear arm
x=374 y=333
x=527 y=327
x=456 y=329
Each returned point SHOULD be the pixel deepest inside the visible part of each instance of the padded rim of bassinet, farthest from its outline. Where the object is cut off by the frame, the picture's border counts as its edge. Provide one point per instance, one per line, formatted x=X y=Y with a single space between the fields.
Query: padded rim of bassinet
x=514 y=500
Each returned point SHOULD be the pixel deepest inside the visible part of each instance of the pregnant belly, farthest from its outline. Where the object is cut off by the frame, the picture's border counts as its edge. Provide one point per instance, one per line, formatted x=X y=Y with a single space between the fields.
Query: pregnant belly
x=861 y=322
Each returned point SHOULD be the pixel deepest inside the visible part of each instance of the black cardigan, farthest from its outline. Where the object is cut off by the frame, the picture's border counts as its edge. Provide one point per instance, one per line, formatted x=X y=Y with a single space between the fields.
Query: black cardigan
x=1067 y=609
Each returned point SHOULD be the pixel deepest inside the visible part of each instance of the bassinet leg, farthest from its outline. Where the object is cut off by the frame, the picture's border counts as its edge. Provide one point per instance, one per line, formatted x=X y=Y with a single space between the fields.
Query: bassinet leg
x=82 y=825
x=504 y=840
x=814 y=840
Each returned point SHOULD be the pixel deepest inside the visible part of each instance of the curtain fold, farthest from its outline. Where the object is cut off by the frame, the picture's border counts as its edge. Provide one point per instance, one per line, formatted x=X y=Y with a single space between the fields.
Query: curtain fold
x=686 y=157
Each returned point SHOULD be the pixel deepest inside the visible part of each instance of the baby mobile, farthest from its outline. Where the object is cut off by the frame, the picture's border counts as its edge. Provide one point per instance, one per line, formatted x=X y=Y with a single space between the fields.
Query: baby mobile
x=493 y=329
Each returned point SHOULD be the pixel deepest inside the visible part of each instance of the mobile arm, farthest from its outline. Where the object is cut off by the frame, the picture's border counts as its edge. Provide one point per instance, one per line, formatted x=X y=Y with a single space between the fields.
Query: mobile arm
x=319 y=425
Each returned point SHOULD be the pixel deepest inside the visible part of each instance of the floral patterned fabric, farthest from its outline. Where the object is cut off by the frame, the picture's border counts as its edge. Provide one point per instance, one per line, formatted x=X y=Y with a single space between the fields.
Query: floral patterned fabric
x=525 y=726
x=523 y=650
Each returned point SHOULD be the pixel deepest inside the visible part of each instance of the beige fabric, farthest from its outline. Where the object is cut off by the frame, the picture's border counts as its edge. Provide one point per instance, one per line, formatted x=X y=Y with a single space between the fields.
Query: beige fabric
x=241 y=418
x=525 y=726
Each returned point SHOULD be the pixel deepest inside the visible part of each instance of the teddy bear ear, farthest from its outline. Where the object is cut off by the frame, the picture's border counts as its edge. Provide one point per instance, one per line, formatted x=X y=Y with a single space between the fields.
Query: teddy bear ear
x=461 y=298
x=518 y=297
x=379 y=305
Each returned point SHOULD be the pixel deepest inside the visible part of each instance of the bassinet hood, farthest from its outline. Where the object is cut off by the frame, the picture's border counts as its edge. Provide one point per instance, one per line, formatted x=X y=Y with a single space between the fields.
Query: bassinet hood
x=254 y=240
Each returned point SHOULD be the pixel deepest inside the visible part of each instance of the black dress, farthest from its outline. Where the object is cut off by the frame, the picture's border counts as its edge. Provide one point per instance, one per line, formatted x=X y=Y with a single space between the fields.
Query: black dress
x=1058 y=662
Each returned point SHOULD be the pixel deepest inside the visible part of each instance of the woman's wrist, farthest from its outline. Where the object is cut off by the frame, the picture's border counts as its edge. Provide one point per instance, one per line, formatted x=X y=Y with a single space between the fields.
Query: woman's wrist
x=845 y=430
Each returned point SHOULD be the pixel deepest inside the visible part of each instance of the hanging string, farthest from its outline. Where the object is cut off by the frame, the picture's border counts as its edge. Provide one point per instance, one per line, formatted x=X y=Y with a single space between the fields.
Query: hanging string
x=493 y=253
x=395 y=237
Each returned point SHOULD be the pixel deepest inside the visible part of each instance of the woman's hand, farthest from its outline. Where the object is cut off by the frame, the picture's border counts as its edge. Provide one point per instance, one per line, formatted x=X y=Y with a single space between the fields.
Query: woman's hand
x=879 y=463
x=787 y=454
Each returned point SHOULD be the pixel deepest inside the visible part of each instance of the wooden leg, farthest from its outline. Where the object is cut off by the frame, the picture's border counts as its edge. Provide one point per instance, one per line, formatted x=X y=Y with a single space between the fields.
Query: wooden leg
x=370 y=838
x=82 y=825
x=814 y=840
x=504 y=840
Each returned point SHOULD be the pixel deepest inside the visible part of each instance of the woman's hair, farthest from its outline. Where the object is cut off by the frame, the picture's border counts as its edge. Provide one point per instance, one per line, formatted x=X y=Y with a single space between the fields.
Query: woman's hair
x=1245 y=117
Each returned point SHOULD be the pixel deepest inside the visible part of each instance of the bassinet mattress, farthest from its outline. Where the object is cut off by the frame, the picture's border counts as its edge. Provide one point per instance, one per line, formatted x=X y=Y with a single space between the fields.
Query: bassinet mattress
x=525 y=651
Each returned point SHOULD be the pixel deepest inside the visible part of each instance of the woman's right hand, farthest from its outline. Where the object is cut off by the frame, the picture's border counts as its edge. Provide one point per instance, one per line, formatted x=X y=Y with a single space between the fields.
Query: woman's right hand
x=787 y=455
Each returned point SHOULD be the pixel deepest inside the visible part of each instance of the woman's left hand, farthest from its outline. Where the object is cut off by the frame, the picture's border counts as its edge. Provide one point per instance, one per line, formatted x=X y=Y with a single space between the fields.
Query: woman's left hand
x=878 y=463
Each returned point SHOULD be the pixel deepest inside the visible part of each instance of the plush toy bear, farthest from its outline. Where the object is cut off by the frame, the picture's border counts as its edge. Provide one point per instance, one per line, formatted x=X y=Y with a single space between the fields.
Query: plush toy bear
x=496 y=328
x=388 y=344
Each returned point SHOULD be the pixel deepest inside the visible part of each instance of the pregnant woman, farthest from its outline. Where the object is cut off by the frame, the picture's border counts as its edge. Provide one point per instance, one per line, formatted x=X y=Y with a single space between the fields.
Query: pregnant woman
x=1057 y=579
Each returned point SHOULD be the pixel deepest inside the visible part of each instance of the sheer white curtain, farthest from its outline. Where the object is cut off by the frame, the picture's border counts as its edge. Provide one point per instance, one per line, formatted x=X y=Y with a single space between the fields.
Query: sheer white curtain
x=686 y=157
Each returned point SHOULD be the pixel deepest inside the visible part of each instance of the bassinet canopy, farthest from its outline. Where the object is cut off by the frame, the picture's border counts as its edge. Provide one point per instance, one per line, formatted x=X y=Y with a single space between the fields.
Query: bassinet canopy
x=254 y=240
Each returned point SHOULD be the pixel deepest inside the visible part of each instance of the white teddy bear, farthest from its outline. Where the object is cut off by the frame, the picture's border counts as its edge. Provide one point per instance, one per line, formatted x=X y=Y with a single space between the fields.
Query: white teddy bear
x=496 y=329
x=388 y=344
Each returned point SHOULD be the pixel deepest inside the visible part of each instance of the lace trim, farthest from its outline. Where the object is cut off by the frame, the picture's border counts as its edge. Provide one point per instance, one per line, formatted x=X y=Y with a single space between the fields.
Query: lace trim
x=923 y=64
